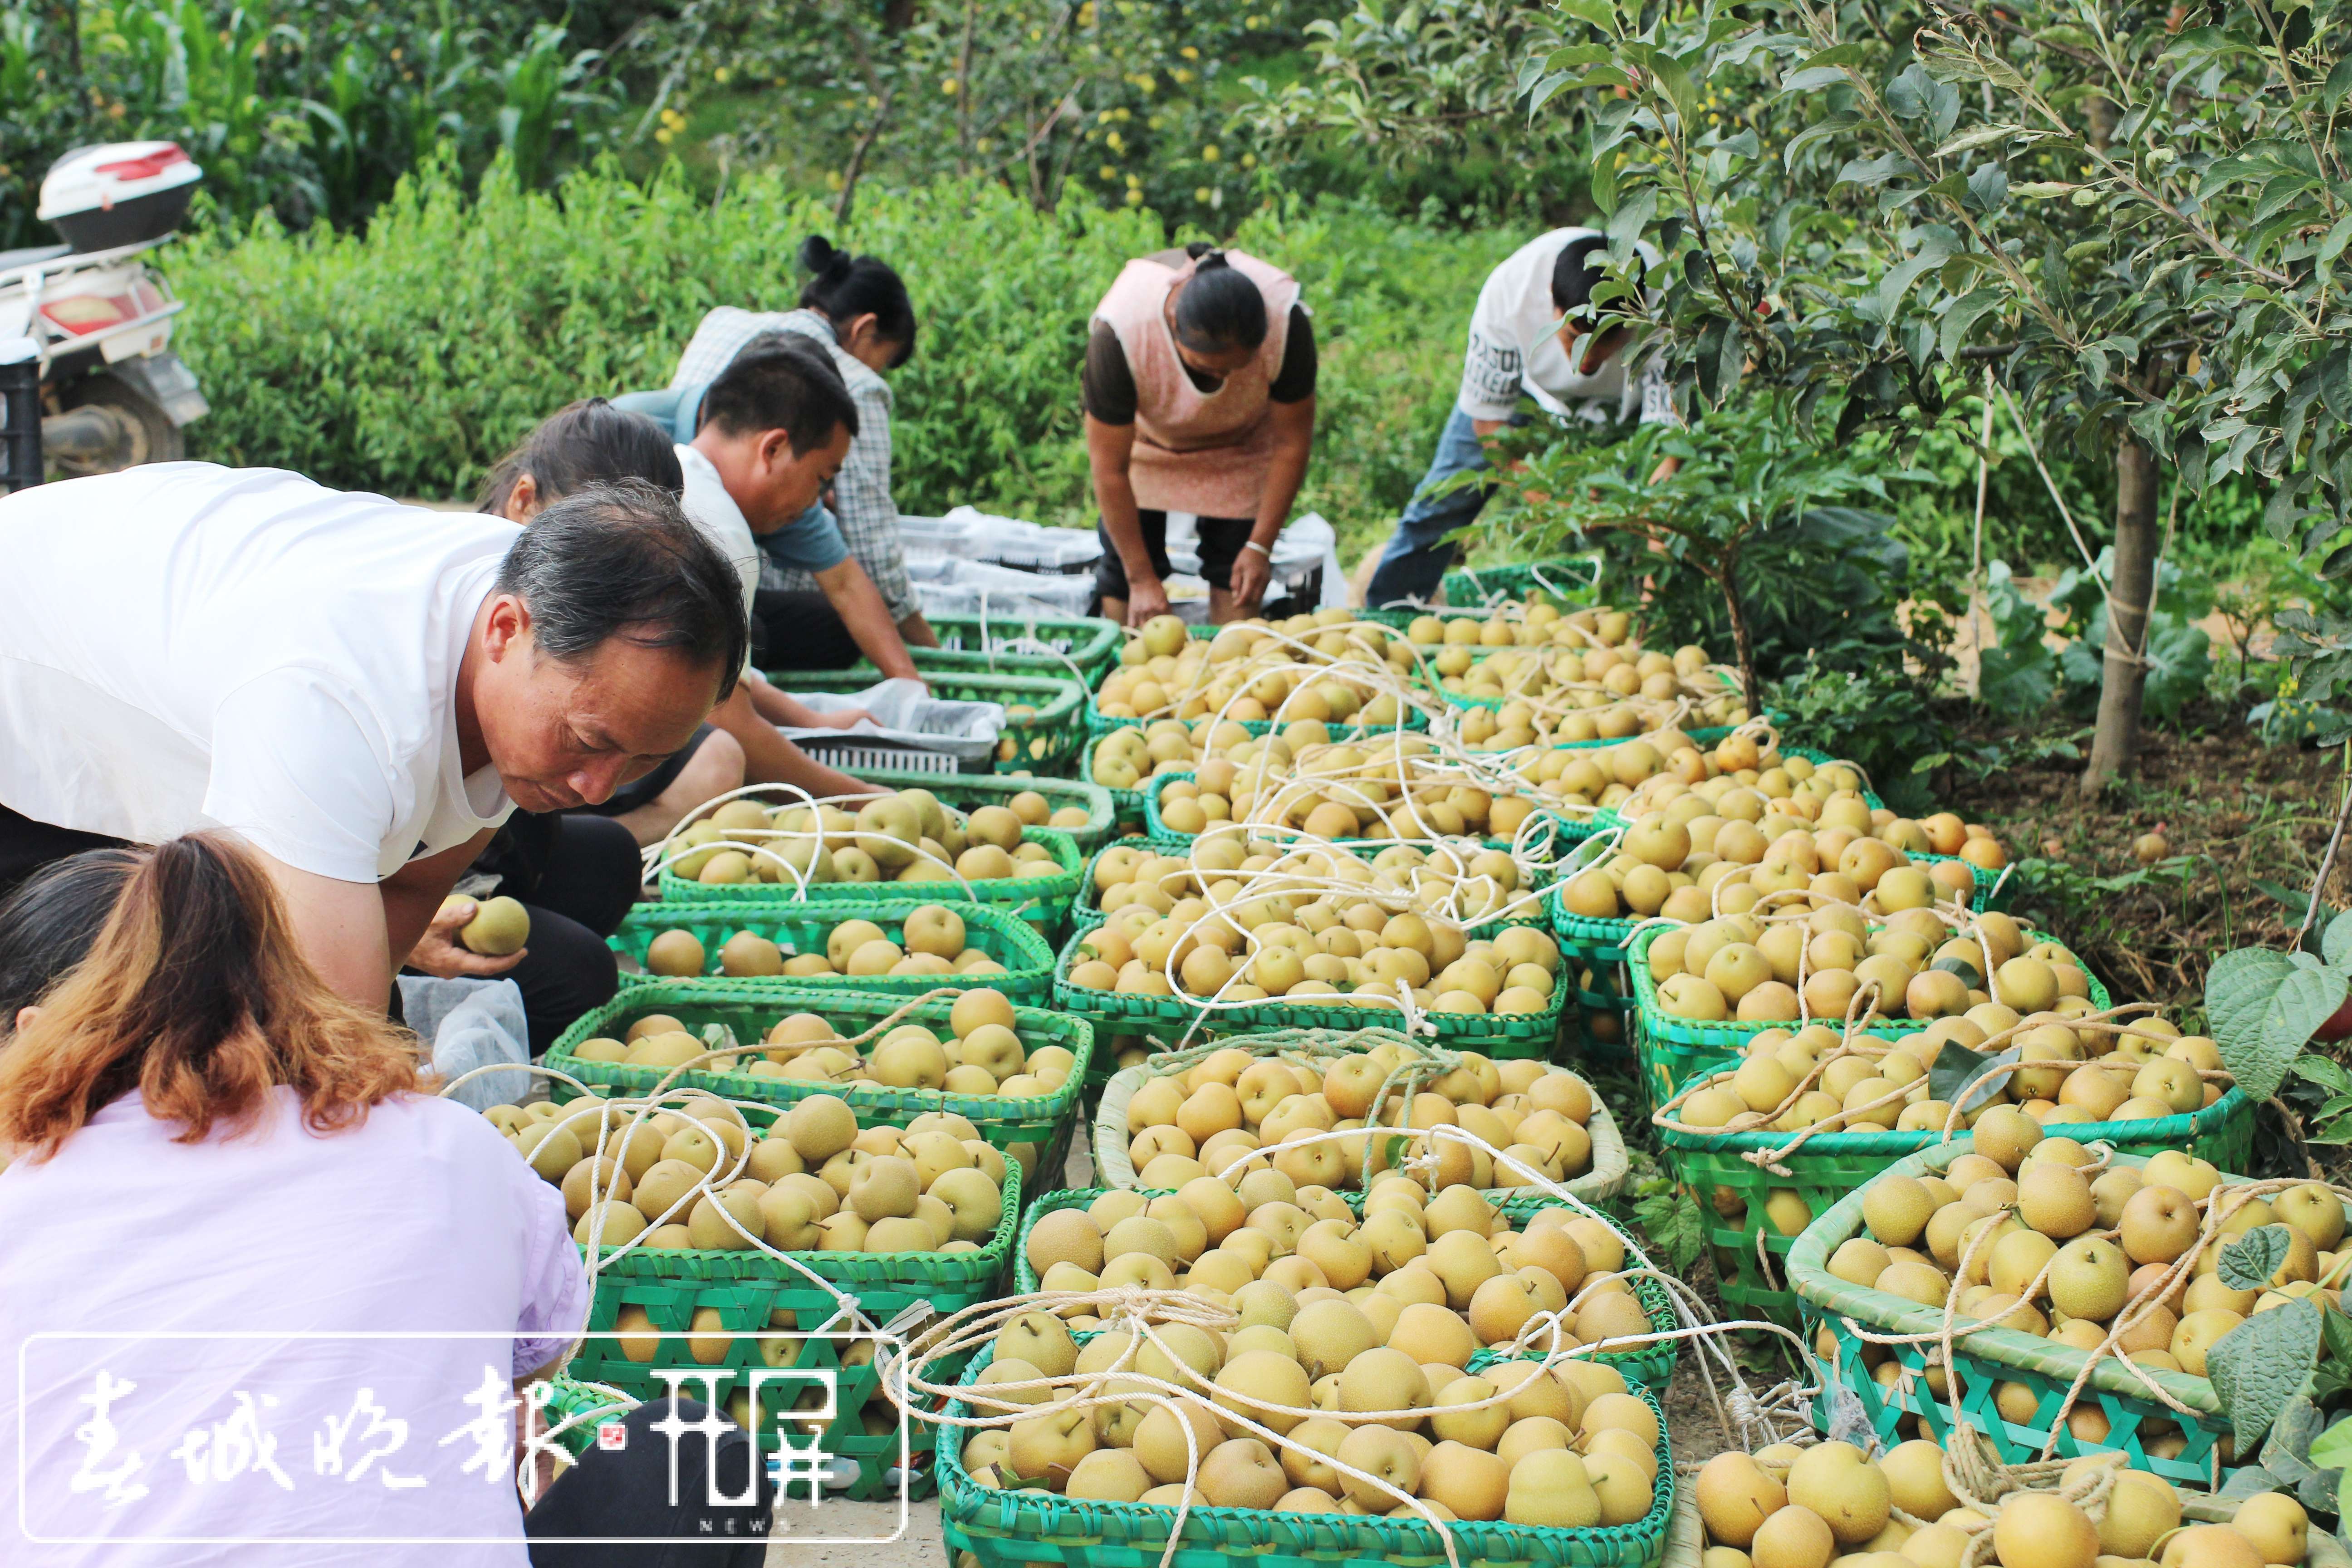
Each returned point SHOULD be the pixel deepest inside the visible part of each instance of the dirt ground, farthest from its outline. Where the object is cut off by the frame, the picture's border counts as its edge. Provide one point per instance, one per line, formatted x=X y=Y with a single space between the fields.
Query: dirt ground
x=2234 y=812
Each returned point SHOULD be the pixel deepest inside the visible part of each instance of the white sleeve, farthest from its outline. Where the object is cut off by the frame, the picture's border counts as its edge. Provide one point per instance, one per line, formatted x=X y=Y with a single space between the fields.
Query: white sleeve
x=304 y=775
x=1493 y=368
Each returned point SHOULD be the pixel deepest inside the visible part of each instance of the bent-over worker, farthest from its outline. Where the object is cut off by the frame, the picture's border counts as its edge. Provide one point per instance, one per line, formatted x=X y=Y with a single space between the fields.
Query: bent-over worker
x=1537 y=333
x=361 y=691
x=857 y=309
x=1199 y=398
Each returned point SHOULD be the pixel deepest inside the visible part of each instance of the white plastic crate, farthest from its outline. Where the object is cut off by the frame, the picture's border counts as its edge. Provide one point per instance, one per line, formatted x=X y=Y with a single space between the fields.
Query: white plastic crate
x=1020 y=545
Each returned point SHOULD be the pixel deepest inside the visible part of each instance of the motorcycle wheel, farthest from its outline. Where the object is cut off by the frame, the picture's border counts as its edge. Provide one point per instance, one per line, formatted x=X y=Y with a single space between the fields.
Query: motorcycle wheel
x=145 y=434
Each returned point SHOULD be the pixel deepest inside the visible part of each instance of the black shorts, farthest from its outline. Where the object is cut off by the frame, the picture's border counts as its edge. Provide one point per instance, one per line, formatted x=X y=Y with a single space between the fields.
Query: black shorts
x=1222 y=539
x=28 y=846
x=641 y=792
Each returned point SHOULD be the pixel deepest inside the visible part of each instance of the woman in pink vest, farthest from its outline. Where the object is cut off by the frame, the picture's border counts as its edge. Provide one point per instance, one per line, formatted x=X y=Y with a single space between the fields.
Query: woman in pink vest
x=1199 y=398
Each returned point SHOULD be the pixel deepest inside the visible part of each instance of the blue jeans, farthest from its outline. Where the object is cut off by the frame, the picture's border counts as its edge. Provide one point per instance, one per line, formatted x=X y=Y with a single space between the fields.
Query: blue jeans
x=1415 y=560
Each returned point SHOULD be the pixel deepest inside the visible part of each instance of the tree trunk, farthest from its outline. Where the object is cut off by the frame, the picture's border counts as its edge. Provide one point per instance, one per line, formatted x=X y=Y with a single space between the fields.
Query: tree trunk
x=2122 y=679
x=1742 y=648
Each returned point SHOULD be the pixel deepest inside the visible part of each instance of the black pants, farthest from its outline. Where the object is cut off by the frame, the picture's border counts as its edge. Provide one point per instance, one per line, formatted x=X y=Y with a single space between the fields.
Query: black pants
x=26 y=845
x=1219 y=541
x=577 y=874
x=625 y=1492
x=800 y=630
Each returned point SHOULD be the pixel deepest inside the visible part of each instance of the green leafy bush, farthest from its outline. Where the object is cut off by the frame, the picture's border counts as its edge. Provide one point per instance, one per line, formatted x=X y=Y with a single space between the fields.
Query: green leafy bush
x=406 y=360
x=306 y=108
x=2022 y=675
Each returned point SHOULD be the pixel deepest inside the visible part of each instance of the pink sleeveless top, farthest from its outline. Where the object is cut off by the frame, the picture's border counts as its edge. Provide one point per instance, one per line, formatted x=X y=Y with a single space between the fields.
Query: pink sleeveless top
x=1202 y=452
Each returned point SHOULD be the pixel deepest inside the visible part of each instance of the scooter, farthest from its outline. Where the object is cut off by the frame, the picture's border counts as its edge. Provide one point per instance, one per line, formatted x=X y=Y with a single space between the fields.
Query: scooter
x=87 y=379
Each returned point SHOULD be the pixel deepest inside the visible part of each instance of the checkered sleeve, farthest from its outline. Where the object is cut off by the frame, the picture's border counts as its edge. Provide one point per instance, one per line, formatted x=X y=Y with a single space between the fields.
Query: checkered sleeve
x=716 y=340
x=862 y=500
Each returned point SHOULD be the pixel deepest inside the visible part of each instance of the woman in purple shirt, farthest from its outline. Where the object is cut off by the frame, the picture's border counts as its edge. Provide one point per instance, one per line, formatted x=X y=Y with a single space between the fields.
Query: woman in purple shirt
x=269 y=1300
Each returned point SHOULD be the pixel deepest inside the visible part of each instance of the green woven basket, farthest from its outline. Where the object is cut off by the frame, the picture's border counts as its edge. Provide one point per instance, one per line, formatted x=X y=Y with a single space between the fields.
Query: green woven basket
x=1832 y=1165
x=969 y=791
x=1605 y=939
x=1503 y=1035
x=1043 y=901
x=747 y=1288
x=1673 y=1050
x=1086 y=913
x=978 y=643
x=1990 y=1358
x=1099 y=723
x=1564 y=830
x=1027 y=959
x=1007 y=1529
x=1602 y=1179
x=750 y=1009
x=995 y=1525
x=1045 y=740
x=1648 y=1366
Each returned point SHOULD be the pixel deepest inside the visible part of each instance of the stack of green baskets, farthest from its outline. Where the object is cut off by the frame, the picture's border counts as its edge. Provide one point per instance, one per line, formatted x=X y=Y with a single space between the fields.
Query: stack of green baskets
x=1503 y=1035
x=1601 y=1181
x=1008 y=1529
x=1646 y=1366
x=1751 y=1250
x=1044 y=901
x=1675 y=1050
x=735 y=1295
x=980 y=644
x=1047 y=1121
x=1988 y=1360
x=1044 y=739
x=799 y=928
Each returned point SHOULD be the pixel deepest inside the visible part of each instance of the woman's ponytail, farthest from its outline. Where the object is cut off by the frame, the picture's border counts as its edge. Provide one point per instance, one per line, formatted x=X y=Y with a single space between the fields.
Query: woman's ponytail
x=841 y=288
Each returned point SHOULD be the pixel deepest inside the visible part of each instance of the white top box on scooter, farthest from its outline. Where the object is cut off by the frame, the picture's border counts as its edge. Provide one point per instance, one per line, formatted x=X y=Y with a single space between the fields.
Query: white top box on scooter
x=123 y=192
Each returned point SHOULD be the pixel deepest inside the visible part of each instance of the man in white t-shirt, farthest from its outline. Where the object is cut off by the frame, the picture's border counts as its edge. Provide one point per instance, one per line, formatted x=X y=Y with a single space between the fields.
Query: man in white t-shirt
x=361 y=690
x=1537 y=333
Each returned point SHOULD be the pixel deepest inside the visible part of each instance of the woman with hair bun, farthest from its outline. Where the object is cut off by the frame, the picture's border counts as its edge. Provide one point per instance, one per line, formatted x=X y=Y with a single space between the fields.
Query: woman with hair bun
x=857 y=309
x=1200 y=397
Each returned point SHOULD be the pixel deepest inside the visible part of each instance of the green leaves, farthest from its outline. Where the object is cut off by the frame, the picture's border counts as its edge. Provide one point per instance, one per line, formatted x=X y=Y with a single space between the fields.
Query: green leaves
x=1959 y=1077
x=1965 y=312
x=2262 y=1363
x=1670 y=1218
x=2336 y=942
x=2264 y=1007
x=2249 y=1262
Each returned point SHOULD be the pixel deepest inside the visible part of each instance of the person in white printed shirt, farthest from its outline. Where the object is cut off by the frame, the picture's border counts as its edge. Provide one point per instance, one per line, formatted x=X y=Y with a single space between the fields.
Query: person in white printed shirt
x=1537 y=332
x=857 y=309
